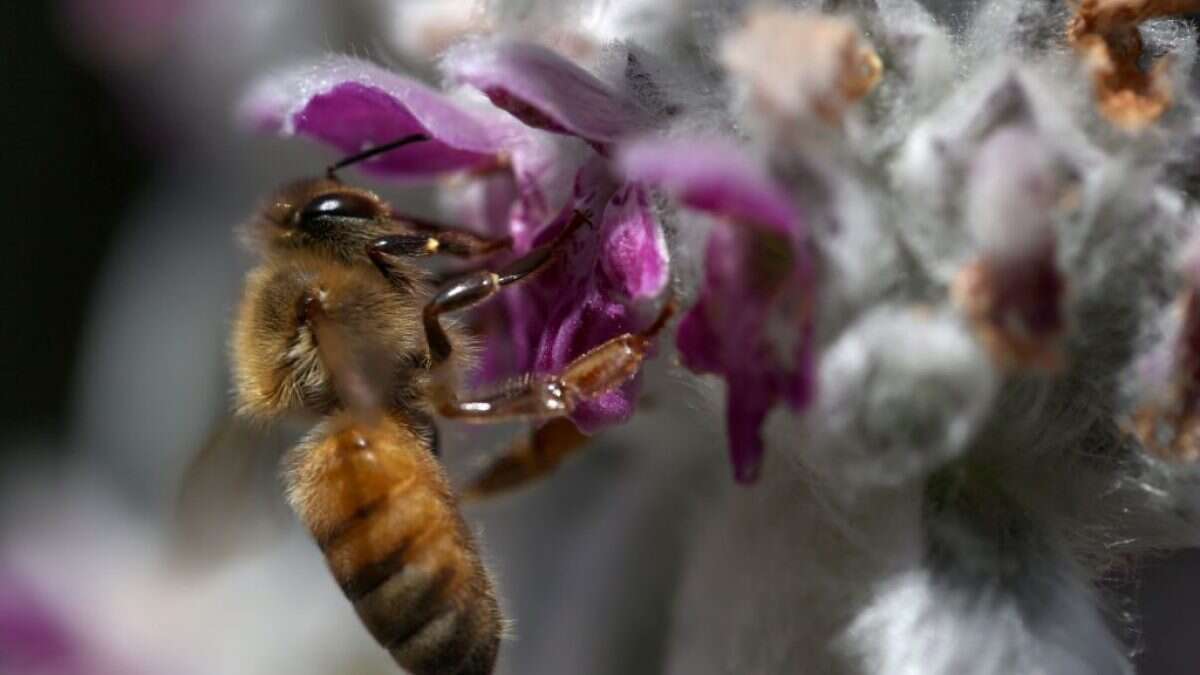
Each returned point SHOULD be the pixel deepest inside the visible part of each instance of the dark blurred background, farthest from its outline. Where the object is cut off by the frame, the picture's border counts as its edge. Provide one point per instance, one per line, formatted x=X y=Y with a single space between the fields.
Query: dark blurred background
x=70 y=169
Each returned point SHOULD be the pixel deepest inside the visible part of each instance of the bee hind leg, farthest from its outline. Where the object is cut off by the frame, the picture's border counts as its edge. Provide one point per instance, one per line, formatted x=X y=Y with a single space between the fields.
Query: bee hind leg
x=528 y=460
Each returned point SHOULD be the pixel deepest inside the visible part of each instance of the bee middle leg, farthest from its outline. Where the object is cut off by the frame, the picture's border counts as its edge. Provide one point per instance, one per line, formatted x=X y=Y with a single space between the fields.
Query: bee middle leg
x=600 y=370
x=550 y=398
x=466 y=290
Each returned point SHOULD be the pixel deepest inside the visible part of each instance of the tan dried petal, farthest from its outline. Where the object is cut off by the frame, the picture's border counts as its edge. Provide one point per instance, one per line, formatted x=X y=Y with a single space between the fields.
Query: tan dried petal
x=979 y=292
x=1168 y=425
x=800 y=63
x=1105 y=35
x=862 y=70
x=1172 y=434
x=1103 y=16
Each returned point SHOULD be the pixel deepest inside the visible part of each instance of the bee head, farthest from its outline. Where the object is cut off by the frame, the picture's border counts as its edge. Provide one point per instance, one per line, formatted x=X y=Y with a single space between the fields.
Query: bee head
x=320 y=214
x=324 y=214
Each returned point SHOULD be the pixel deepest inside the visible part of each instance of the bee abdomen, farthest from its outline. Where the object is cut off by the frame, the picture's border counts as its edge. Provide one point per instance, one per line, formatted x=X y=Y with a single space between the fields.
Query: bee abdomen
x=452 y=644
x=431 y=636
x=403 y=556
x=430 y=621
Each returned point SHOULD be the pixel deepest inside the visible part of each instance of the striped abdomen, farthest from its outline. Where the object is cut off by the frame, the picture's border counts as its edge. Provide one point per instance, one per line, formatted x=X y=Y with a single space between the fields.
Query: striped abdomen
x=378 y=504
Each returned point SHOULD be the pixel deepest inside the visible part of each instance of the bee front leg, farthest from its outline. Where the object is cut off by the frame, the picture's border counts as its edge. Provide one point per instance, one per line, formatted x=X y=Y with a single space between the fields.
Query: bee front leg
x=465 y=291
x=421 y=237
x=457 y=243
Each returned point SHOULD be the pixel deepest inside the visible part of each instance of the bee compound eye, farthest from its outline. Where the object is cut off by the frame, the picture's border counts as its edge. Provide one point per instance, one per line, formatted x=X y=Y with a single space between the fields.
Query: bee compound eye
x=317 y=212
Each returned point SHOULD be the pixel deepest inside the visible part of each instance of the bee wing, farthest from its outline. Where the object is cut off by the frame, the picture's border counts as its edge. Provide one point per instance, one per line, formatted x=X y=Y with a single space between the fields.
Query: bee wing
x=346 y=355
x=230 y=498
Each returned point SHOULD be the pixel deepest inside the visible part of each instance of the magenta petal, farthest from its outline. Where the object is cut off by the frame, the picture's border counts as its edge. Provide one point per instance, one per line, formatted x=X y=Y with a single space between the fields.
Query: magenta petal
x=714 y=177
x=614 y=407
x=32 y=637
x=352 y=116
x=752 y=323
x=573 y=305
x=727 y=329
x=633 y=254
x=699 y=342
x=575 y=328
x=746 y=407
x=353 y=104
x=546 y=91
x=734 y=330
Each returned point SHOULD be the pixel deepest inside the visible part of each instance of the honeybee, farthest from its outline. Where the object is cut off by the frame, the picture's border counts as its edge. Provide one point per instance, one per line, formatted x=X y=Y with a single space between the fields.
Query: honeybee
x=337 y=322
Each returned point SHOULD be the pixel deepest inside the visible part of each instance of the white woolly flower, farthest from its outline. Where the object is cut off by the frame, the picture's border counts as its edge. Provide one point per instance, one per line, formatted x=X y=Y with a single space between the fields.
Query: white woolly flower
x=902 y=392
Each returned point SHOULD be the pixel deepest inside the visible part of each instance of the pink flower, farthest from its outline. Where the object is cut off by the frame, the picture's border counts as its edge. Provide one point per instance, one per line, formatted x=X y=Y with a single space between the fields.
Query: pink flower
x=757 y=288
x=32 y=637
x=545 y=90
x=351 y=104
x=37 y=638
x=612 y=263
x=618 y=259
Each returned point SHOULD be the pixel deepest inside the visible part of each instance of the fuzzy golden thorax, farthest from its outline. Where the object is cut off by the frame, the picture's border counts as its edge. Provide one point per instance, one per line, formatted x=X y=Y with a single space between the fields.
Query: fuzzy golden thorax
x=278 y=369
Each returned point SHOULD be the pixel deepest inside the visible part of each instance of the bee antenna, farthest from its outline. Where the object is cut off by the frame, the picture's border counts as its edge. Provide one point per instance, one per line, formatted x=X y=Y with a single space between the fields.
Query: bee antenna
x=331 y=170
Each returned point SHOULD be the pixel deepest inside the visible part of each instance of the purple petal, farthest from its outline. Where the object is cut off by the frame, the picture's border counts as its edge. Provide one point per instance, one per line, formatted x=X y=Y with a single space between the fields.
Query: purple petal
x=575 y=303
x=712 y=176
x=608 y=409
x=517 y=325
x=727 y=330
x=352 y=116
x=546 y=91
x=699 y=341
x=751 y=303
x=32 y=636
x=634 y=252
x=752 y=323
x=746 y=408
x=572 y=330
x=353 y=104
x=528 y=306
